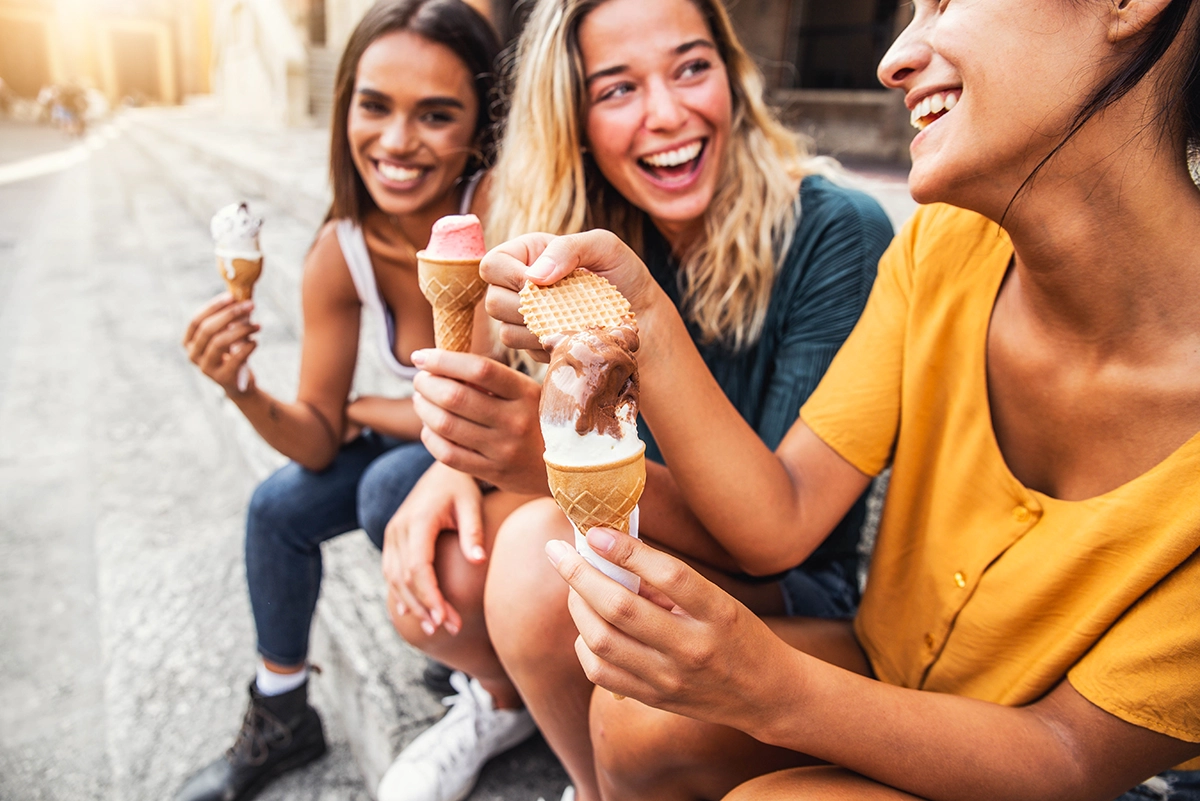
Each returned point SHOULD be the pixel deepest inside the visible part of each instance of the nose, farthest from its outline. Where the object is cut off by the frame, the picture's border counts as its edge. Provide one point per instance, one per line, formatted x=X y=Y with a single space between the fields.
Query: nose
x=397 y=135
x=908 y=55
x=665 y=110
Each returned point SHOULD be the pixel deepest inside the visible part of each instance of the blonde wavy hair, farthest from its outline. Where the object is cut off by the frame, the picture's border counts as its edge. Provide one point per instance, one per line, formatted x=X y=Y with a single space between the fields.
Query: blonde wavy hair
x=543 y=180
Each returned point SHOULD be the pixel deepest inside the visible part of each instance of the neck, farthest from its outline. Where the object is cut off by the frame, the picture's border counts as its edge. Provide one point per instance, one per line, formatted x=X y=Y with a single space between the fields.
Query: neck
x=416 y=226
x=1107 y=257
x=680 y=235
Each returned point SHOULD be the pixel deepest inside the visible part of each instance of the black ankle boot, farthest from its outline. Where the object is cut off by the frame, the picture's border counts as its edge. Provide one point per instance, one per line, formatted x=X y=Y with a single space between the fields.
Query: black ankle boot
x=279 y=733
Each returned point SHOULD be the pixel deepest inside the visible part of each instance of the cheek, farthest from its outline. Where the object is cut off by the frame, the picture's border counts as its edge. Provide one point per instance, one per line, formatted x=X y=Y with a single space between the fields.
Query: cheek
x=610 y=137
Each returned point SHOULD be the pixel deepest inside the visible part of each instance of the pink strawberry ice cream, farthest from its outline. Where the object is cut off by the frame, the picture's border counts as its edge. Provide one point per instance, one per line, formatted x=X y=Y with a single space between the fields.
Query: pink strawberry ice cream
x=459 y=236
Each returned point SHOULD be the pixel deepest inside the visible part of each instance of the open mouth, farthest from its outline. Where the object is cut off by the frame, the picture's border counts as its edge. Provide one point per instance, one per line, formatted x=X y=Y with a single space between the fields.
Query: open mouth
x=933 y=108
x=399 y=174
x=675 y=165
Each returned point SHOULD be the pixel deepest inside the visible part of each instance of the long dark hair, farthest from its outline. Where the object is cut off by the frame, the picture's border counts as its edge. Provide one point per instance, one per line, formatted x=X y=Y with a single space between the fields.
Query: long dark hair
x=1180 y=91
x=451 y=23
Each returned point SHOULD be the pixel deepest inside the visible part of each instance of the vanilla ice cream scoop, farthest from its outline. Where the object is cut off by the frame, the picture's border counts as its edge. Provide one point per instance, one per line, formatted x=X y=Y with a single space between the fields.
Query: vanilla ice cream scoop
x=235 y=232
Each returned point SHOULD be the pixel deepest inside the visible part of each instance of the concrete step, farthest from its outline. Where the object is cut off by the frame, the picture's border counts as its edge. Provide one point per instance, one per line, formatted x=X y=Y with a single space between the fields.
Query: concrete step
x=371 y=677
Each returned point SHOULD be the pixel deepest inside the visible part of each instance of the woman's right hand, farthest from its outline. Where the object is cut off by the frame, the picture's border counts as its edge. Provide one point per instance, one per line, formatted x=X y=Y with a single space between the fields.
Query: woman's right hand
x=444 y=499
x=544 y=259
x=218 y=341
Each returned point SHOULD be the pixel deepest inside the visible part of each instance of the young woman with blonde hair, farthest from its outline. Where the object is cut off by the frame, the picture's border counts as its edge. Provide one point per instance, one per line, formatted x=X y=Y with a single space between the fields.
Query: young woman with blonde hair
x=649 y=119
x=1028 y=365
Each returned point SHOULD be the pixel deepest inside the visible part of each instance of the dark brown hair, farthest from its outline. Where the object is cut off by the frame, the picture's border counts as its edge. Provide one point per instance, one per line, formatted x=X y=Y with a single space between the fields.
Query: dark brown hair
x=451 y=23
x=1180 y=90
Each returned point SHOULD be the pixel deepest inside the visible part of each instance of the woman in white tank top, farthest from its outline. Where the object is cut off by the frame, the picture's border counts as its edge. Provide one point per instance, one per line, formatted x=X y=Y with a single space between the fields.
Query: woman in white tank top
x=411 y=126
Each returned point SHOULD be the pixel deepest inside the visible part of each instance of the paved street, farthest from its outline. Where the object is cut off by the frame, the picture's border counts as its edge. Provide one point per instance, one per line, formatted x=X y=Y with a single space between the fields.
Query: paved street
x=124 y=624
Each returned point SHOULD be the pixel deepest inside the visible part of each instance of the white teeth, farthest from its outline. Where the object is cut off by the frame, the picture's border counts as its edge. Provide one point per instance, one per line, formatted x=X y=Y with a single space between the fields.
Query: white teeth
x=673 y=158
x=398 y=174
x=928 y=109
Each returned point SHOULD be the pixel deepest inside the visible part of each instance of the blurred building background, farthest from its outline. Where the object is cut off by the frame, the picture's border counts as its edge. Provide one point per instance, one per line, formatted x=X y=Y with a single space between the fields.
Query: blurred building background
x=271 y=62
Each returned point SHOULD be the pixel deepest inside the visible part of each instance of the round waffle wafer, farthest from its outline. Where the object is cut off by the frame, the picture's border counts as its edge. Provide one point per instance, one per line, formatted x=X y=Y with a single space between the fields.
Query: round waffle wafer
x=577 y=302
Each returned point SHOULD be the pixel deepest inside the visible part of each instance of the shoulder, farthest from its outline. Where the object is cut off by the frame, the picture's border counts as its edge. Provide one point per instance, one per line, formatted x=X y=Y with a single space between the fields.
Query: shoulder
x=325 y=270
x=827 y=207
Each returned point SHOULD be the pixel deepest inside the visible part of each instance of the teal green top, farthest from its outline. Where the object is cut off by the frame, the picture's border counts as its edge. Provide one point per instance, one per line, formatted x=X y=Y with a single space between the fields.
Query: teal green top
x=819 y=294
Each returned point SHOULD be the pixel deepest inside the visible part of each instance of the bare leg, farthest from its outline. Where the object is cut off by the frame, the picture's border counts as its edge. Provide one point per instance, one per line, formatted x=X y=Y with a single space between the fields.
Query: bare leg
x=646 y=753
x=825 y=783
x=534 y=636
x=462 y=584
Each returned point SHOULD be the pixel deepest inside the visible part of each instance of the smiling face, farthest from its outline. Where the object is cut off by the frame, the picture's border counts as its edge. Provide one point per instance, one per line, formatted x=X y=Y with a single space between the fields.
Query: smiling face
x=658 y=106
x=411 y=124
x=993 y=86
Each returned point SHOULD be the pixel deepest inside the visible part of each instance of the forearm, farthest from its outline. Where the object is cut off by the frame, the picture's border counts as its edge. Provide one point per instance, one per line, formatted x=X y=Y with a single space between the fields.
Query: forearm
x=667 y=519
x=735 y=486
x=297 y=430
x=393 y=417
x=934 y=745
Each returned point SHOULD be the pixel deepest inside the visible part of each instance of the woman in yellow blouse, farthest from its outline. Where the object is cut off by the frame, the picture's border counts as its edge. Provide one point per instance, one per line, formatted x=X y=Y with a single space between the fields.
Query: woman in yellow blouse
x=1029 y=365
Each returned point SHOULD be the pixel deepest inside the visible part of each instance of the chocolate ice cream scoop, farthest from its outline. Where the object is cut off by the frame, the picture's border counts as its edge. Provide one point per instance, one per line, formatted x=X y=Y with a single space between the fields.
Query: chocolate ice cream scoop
x=592 y=380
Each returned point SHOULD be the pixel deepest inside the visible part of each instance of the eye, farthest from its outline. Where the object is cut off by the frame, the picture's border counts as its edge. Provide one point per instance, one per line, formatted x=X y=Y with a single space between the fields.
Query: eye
x=693 y=68
x=372 y=106
x=616 y=90
x=437 y=118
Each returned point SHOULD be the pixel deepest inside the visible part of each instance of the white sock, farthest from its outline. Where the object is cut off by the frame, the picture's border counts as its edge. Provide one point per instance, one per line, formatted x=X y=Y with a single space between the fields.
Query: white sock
x=271 y=683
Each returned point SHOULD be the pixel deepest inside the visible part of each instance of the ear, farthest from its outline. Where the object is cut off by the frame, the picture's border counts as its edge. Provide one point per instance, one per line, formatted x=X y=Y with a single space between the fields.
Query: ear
x=1130 y=18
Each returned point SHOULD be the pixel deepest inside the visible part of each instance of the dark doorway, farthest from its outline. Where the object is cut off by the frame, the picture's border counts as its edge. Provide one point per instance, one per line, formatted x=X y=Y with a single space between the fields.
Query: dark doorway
x=838 y=45
x=24 y=62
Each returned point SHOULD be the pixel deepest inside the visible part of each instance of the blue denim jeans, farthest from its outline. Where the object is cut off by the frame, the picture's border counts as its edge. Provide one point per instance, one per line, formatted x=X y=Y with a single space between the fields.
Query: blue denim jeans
x=1173 y=785
x=828 y=589
x=296 y=509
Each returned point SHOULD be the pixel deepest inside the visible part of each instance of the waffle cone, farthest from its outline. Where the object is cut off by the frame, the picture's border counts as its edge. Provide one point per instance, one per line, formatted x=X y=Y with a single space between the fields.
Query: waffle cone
x=453 y=287
x=599 y=495
x=245 y=273
x=577 y=302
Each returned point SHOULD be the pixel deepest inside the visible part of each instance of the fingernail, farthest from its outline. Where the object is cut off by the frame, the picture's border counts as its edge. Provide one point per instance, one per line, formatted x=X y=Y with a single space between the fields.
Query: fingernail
x=556 y=550
x=540 y=269
x=247 y=305
x=418 y=358
x=428 y=628
x=452 y=627
x=601 y=540
x=477 y=554
x=401 y=610
x=437 y=616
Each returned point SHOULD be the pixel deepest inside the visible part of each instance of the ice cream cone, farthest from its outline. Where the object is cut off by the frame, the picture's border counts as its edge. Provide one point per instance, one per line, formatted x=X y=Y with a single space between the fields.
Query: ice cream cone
x=453 y=287
x=601 y=494
x=240 y=275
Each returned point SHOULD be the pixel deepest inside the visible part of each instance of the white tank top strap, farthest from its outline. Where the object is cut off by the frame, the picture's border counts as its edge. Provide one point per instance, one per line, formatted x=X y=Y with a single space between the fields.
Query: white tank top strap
x=464 y=207
x=358 y=260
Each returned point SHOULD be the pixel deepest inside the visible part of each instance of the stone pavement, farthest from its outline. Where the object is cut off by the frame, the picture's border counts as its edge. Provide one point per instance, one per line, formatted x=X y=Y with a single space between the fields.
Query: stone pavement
x=125 y=633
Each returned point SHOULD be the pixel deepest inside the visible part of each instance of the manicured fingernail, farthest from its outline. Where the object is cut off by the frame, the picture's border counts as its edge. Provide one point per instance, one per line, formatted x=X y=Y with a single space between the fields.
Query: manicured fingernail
x=556 y=550
x=437 y=616
x=540 y=269
x=477 y=554
x=401 y=610
x=418 y=358
x=428 y=628
x=601 y=540
x=452 y=627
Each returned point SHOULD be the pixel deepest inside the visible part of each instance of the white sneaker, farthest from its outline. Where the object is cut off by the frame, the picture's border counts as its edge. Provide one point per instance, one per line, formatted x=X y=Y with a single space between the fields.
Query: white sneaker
x=568 y=794
x=444 y=762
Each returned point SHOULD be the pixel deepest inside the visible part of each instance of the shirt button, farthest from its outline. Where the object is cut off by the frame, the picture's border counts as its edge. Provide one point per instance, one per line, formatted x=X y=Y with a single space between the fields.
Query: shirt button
x=1022 y=514
x=929 y=641
x=960 y=580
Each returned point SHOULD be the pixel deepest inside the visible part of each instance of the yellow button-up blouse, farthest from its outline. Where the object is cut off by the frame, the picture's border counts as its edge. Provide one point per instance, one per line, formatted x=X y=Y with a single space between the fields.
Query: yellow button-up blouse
x=979 y=586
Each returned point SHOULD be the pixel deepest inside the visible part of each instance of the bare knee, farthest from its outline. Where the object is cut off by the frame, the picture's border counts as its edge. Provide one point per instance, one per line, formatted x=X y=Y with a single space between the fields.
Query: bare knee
x=525 y=599
x=461 y=584
x=636 y=746
x=818 y=784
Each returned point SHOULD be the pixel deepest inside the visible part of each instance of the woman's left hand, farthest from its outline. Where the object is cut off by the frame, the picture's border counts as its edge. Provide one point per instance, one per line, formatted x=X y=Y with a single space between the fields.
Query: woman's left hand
x=682 y=645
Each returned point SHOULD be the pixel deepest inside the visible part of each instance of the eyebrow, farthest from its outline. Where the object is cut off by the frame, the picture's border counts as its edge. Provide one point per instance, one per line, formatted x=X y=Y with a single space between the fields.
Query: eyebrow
x=375 y=94
x=619 y=68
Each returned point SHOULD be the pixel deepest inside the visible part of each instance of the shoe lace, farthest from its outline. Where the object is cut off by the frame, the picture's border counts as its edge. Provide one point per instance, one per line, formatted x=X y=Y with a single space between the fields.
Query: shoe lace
x=461 y=727
x=260 y=731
